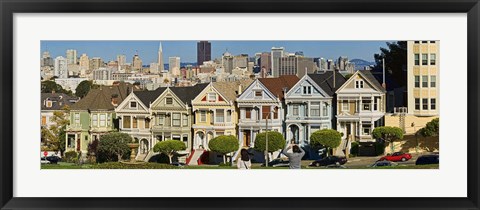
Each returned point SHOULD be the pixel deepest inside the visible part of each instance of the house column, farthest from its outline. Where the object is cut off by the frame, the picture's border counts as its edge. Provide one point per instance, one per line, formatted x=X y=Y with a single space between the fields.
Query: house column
x=372 y=102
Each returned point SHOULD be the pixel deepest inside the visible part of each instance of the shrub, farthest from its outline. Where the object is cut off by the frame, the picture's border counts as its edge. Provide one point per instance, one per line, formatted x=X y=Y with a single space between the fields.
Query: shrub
x=354 y=148
x=328 y=138
x=224 y=145
x=276 y=141
x=70 y=156
x=379 y=148
x=169 y=147
x=113 y=147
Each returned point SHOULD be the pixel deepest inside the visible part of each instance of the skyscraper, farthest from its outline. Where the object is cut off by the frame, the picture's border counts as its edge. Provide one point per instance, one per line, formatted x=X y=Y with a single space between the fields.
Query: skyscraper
x=137 y=62
x=60 y=67
x=227 y=62
x=277 y=53
x=174 y=65
x=84 y=62
x=46 y=59
x=160 y=58
x=265 y=61
x=71 y=56
x=204 y=52
x=122 y=61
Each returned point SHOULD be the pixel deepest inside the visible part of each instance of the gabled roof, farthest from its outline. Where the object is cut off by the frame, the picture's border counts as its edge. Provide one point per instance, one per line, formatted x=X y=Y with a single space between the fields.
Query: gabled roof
x=230 y=89
x=187 y=94
x=59 y=100
x=277 y=85
x=149 y=96
x=373 y=81
x=101 y=98
x=325 y=81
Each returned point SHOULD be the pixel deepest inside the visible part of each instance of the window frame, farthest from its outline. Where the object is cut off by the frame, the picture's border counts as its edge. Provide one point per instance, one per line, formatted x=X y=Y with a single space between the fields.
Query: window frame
x=424 y=104
x=424 y=81
x=416 y=59
x=433 y=81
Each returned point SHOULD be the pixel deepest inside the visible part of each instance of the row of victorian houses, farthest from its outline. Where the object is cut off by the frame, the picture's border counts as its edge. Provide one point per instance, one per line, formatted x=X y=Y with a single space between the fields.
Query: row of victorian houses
x=294 y=106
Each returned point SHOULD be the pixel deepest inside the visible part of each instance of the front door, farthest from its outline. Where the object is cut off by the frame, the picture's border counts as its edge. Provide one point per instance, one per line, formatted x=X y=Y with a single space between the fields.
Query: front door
x=246 y=138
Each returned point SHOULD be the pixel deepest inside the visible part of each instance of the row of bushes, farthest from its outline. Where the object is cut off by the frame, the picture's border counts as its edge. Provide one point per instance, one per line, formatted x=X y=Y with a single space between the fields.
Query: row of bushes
x=379 y=148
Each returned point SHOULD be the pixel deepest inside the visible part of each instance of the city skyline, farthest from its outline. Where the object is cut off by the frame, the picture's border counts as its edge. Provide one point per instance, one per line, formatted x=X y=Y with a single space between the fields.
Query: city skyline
x=187 y=50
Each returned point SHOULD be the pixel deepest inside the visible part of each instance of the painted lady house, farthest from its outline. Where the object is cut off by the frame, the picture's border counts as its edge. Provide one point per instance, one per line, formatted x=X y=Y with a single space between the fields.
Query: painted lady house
x=360 y=109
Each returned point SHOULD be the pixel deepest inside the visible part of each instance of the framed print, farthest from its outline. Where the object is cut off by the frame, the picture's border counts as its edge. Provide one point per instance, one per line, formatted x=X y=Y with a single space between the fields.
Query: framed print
x=246 y=105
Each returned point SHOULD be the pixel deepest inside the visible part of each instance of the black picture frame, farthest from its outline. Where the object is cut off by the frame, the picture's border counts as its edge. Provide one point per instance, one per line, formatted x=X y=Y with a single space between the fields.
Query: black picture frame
x=10 y=7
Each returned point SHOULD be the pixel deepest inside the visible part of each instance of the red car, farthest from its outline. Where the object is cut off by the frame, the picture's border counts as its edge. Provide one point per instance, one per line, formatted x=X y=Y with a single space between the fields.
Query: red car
x=397 y=156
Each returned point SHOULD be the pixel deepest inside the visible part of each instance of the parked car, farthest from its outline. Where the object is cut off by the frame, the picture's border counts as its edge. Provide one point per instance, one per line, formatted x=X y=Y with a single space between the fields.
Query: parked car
x=330 y=160
x=178 y=164
x=428 y=159
x=383 y=163
x=279 y=162
x=397 y=156
x=53 y=159
x=44 y=161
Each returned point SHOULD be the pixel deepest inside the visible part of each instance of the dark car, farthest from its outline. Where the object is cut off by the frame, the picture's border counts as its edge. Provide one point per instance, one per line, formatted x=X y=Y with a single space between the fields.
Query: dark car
x=53 y=159
x=330 y=160
x=428 y=159
x=279 y=162
x=382 y=163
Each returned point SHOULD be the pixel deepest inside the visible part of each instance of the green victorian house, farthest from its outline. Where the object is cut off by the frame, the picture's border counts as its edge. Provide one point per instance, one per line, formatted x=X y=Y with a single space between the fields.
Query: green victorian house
x=94 y=115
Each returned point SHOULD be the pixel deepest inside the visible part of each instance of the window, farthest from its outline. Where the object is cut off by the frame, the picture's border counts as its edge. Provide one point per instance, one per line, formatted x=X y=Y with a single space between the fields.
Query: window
x=71 y=142
x=345 y=106
x=307 y=90
x=133 y=104
x=417 y=59
x=161 y=119
x=212 y=97
x=248 y=113
x=229 y=116
x=366 y=104
x=258 y=93
x=147 y=123
x=376 y=99
x=432 y=42
x=95 y=120
x=103 y=119
x=366 y=128
x=176 y=119
x=315 y=109
x=185 y=120
x=49 y=103
x=77 y=118
x=433 y=103
x=135 y=122
x=109 y=119
x=433 y=58
x=126 y=121
x=275 y=112
x=220 y=115
x=295 y=110
x=433 y=81
x=169 y=101
x=417 y=42
x=325 y=110
x=417 y=81
x=424 y=59
x=265 y=112
x=417 y=104
x=203 y=116
x=424 y=81
x=359 y=84
x=425 y=103
x=44 y=120
x=424 y=41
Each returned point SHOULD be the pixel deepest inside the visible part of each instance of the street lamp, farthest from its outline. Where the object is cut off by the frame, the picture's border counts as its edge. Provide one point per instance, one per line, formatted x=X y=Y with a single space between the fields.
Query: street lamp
x=266 y=138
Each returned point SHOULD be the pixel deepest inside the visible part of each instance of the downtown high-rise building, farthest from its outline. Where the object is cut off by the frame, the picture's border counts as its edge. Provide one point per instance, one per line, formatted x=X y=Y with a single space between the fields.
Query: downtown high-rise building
x=71 y=56
x=227 y=62
x=276 y=54
x=204 y=52
x=122 y=62
x=136 y=62
x=60 y=67
x=160 y=65
x=240 y=61
x=96 y=63
x=265 y=63
x=46 y=59
x=174 y=65
x=84 y=63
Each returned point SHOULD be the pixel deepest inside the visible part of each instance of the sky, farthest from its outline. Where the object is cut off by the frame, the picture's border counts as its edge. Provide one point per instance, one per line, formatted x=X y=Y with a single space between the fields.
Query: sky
x=187 y=50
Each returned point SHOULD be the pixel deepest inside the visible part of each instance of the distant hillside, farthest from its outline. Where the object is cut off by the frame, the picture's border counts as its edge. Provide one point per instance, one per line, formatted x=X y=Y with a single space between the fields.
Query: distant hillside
x=360 y=64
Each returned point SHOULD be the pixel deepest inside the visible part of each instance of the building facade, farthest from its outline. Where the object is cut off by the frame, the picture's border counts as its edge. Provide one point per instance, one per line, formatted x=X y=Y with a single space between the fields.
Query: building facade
x=204 y=52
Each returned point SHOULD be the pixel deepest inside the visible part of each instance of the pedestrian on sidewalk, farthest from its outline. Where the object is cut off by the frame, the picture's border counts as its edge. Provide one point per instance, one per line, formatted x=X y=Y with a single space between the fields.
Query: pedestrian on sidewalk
x=244 y=161
x=295 y=158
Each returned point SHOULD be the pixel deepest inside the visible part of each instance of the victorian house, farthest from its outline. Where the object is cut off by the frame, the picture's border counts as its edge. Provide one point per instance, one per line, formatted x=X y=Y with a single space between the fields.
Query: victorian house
x=360 y=107
x=309 y=108
x=256 y=106
x=94 y=115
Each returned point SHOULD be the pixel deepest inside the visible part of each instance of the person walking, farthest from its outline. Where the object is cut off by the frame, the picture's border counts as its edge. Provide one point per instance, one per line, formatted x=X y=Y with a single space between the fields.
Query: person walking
x=295 y=158
x=244 y=161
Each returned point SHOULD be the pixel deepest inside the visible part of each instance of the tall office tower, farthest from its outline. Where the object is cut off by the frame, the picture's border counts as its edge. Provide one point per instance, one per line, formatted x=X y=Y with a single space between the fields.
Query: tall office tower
x=60 y=67
x=277 y=53
x=154 y=68
x=96 y=63
x=342 y=62
x=160 y=58
x=422 y=78
x=330 y=64
x=240 y=61
x=46 y=59
x=71 y=56
x=322 y=64
x=174 y=65
x=204 y=52
x=227 y=62
x=265 y=61
x=84 y=62
x=122 y=61
x=137 y=62
x=257 y=59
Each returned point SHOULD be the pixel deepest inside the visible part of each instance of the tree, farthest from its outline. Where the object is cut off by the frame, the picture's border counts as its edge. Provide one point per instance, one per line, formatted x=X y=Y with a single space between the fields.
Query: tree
x=395 y=61
x=50 y=86
x=328 y=138
x=113 y=147
x=84 y=87
x=54 y=136
x=388 y=134
x=430 y=129
x=169 y=148
x=276 y=141
x=224 y=145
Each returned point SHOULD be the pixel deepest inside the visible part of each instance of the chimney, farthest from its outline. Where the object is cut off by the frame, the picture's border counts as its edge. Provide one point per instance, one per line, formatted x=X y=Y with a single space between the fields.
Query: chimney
x=239 y=89
x=334 y=80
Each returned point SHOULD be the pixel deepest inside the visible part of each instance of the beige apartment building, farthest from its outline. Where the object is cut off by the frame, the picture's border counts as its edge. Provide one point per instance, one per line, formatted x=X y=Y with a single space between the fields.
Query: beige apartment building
x=423 y=76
